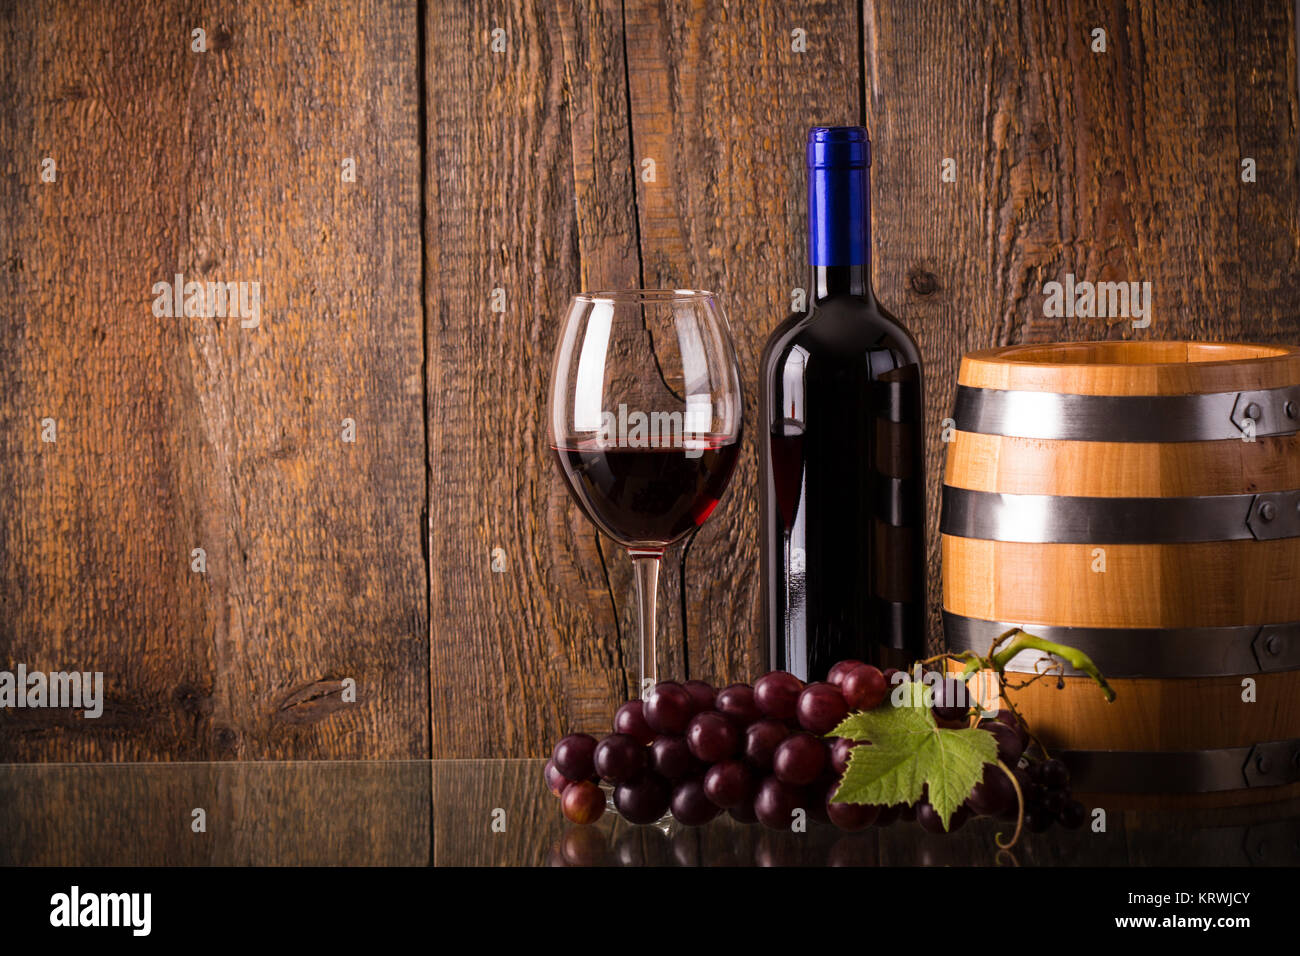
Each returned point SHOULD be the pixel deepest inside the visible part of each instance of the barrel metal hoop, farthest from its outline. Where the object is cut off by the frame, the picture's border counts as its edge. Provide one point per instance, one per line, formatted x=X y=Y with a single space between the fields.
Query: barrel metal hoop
x=1065 y=519
x=1268 y=764
x=1212 y=416
x=1143 y=652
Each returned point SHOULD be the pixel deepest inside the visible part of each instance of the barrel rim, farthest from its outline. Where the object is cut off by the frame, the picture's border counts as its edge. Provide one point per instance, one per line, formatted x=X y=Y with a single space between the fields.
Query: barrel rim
x=1021 y=354
x=1050 y=367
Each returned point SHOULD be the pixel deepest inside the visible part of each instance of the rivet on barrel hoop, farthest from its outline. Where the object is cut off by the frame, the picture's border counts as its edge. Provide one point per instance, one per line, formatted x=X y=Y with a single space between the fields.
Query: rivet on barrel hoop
x=1291 y=410
x=1253 y=412
x=1267 y=511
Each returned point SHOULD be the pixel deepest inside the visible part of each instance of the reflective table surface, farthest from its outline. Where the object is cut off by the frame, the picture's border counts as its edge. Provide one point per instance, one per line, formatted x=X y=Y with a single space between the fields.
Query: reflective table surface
x=500 y=813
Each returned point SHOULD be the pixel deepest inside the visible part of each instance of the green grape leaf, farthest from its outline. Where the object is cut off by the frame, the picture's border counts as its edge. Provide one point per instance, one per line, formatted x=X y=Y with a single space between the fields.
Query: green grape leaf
x=909 y=751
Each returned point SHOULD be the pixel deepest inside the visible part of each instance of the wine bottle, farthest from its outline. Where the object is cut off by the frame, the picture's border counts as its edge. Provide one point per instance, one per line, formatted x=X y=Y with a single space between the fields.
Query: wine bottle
x=842 y=446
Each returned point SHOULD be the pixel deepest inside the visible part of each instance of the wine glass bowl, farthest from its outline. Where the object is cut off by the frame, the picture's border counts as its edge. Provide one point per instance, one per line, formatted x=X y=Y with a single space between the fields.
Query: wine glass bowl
x=645 y=417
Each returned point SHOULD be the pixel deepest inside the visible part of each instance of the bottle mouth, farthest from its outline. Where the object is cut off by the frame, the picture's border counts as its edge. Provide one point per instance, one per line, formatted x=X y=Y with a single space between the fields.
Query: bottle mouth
x=838 y=147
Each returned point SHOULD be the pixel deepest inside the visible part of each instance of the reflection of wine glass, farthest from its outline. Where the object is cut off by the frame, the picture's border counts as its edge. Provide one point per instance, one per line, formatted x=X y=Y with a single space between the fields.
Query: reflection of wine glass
x=645 y=413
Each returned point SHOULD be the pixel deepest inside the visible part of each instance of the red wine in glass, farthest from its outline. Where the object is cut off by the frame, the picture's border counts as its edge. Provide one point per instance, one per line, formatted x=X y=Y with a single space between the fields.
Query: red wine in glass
x=648 y=495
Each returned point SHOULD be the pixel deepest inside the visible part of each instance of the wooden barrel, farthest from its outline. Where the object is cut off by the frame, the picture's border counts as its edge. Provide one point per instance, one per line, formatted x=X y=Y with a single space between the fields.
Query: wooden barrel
x=1139 y=501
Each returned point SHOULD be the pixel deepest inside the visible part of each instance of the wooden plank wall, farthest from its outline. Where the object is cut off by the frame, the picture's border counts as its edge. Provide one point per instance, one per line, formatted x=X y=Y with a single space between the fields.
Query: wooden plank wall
x=183 y=433
x=423 y=301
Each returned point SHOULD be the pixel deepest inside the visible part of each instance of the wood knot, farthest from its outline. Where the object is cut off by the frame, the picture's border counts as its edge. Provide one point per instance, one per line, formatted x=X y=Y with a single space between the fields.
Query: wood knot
x=310 y=702
x=922 y=282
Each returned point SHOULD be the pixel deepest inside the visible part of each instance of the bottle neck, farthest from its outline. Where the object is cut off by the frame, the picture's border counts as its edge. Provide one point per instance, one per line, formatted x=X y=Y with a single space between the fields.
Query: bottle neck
x=839 y=230
x=831 y=281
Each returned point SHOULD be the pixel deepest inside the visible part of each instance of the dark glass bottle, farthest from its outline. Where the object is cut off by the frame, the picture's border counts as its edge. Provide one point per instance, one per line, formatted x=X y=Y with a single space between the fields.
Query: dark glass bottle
x=842 y=446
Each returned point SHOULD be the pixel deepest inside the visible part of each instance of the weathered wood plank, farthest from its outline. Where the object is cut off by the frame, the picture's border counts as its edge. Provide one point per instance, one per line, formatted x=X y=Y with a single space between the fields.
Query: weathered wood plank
x=183 y=433
x=521 y=656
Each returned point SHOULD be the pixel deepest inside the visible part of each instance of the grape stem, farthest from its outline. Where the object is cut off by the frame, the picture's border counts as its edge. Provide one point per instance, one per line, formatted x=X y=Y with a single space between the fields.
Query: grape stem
x=1020 y=811
x=1028 y=642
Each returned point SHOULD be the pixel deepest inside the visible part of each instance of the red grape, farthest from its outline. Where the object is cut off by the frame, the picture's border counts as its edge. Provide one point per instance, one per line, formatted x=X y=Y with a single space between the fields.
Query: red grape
x=799 y=759
x=643 y=800
x=821 y=707
x=888 y=815
x=702 y=695
x=1054 y=775
x=690 y=805
x=928 y=817
x=864 y=688
x=761 y=739
x=555 y=780
x=743 y=812
x=1007 y=717
x=775 y=803
x=841 y=671
x=951 y=700
x=1074 y=815
x=850 y=816
x=841 y=751
x=619 y=758
x=630 y=719
x=669 y=707
x=1009 y=746
x=712 y=737
x=729 y=784
x=1037 y=819
x=737 y=702
x=670 y=757
x=777 y=693
x=583 y=802
x=573 y=756
x=993 y=794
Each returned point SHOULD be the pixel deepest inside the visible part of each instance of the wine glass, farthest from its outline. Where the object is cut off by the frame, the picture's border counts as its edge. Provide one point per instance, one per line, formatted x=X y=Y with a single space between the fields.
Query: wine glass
x=645 y=423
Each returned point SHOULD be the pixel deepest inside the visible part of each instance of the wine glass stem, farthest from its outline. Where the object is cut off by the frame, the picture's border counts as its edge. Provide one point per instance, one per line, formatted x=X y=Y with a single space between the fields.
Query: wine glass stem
x=646 y=564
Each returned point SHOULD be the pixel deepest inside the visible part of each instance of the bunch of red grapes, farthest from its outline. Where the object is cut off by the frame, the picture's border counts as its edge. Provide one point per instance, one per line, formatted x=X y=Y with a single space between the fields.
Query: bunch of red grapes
x=760 y=752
